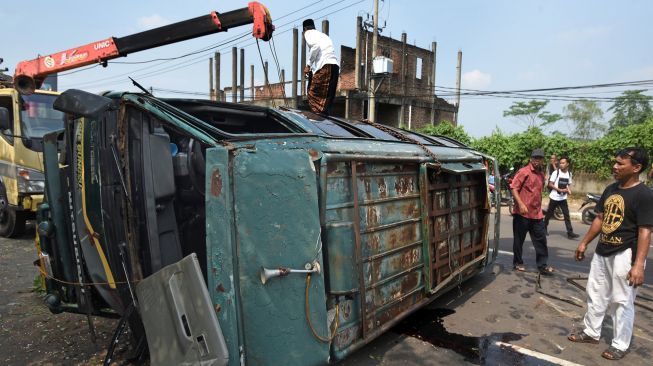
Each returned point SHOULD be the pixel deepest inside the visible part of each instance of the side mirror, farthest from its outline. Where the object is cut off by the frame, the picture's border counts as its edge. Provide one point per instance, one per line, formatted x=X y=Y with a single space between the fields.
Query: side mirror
x=5 y=123
x=81 y=104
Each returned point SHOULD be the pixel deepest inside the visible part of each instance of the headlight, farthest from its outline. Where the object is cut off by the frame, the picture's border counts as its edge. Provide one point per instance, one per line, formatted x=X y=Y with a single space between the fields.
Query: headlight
x=30 y=180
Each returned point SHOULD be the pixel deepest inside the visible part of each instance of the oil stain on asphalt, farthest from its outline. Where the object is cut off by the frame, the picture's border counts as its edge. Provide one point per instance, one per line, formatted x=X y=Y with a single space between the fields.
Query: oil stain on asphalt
x=427 y=325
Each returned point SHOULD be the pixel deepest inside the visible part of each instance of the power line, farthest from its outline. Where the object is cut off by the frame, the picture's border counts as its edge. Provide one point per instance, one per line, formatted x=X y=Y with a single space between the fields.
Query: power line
x=190 y=63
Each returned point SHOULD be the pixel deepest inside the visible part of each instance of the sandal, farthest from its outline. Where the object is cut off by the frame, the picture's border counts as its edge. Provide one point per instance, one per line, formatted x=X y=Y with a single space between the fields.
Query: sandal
x=519 y=267
x=613 y=354
x=582 y=337
x=547 y=271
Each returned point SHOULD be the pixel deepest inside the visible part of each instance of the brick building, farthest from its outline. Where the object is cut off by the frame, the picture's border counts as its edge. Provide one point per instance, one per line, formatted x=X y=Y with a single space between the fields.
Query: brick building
x=405 y=97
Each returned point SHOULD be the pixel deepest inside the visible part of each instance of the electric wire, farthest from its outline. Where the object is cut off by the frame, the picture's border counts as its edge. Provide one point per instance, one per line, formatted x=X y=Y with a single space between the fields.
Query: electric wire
x=265 y=72
x=93 y=83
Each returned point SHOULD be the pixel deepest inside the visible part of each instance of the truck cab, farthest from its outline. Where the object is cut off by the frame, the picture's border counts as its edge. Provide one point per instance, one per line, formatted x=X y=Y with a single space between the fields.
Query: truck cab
x=24 y=120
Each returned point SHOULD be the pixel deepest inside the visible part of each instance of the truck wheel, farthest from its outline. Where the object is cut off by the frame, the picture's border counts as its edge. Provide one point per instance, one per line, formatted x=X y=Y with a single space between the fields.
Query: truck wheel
x=12 y=223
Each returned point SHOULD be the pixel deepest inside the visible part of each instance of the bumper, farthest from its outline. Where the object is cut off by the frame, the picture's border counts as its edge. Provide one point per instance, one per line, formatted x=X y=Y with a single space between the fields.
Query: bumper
x=31 y=202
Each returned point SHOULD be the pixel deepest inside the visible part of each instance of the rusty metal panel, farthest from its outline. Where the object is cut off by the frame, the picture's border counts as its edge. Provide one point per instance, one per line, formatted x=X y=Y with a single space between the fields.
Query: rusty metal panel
x=455 y=220
x=374 y=242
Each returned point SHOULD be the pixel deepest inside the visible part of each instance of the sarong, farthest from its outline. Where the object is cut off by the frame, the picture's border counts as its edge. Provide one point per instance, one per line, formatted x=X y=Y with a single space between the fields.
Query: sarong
x=322 y=88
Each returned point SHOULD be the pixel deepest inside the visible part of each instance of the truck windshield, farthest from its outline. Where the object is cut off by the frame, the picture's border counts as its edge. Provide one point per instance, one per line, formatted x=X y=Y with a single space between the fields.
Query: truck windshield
x=37 y=117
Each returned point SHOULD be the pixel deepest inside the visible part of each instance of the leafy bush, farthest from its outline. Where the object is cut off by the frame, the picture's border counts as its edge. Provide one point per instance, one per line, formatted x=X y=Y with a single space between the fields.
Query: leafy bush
x=446 y=128
x=513 y=150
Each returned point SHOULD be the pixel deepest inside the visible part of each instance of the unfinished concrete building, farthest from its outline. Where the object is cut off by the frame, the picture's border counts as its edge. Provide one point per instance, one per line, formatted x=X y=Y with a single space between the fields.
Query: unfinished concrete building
x=404 y=97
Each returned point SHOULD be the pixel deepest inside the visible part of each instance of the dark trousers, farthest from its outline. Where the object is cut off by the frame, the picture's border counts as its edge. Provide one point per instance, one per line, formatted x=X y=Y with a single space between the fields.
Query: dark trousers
x=535 y=227
x=553 y=204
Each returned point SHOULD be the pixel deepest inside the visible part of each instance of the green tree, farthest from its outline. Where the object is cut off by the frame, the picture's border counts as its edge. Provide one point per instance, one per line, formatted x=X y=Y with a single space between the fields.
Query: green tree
x=446 y=128
x=532 y=113
x=586 y=116
x=631 y=107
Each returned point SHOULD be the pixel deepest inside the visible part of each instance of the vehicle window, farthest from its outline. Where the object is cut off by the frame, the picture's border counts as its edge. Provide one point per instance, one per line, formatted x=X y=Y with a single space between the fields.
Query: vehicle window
x=37 y=117
x=379 y=134
x=447 y=141
x=6 y=102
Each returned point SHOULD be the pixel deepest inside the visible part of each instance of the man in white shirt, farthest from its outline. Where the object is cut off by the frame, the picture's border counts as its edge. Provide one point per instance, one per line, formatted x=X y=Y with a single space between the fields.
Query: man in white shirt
x=322 y=69
x=559 y=183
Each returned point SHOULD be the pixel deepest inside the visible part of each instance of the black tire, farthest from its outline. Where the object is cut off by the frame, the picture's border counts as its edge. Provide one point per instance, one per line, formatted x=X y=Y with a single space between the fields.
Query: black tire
x=511 y=205
x=558 y=214
x=588 y=214
x=12 y=223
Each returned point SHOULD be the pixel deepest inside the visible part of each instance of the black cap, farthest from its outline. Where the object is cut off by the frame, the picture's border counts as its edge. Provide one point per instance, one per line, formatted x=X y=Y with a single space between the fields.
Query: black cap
x=537 y=153
x=308 y=24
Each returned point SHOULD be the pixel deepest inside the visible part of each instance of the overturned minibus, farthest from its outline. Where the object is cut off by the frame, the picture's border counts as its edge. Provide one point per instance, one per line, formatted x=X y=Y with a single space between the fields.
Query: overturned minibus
x=224 y=233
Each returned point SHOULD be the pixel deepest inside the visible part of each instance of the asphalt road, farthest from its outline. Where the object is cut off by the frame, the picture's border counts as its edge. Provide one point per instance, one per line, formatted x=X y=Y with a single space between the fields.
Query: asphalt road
x=483 y=320
x=495 y=318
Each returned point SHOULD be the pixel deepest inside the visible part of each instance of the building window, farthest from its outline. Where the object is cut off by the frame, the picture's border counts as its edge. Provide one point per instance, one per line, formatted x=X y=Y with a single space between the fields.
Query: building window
x=418 y=68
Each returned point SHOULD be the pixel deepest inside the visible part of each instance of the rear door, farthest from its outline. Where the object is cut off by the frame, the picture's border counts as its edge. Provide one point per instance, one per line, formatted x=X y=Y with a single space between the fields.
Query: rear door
x=455 y=221
x=181 y=325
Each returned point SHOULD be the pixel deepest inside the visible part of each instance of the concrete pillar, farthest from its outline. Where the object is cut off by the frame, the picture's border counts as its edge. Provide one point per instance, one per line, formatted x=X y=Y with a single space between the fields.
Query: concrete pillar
x=265 y=75
x=218 y=91
x=325 y=27
x=302 y=64
x=234 y=74
x=357 y=58
x=459 y=65
x=402 y=77
x=293 y=88
x=251 y=81
x=283 y=76
x=434 y=48
x=211 y=91
x=242 y=75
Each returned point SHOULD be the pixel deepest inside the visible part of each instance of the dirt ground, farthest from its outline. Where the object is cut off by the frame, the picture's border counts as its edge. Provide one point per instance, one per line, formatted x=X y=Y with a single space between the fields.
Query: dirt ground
x=29 y=333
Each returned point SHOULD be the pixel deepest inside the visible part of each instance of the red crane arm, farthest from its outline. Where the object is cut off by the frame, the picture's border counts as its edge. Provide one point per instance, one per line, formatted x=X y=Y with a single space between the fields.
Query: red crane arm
x=30 y=74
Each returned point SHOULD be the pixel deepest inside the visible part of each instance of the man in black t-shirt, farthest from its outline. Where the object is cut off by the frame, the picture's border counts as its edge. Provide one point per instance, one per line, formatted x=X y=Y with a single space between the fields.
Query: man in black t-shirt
x=624 y=220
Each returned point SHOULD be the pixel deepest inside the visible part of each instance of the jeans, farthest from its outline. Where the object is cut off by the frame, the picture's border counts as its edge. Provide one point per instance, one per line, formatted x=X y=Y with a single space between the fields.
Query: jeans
x=553 y=204
x=535 y=227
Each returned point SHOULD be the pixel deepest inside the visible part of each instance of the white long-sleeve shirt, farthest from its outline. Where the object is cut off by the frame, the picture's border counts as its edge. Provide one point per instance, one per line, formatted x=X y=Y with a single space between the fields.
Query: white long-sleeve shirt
x=321 y=50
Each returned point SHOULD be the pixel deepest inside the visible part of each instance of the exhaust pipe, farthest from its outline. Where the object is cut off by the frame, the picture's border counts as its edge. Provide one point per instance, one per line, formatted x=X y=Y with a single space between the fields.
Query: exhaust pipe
x=25 y=84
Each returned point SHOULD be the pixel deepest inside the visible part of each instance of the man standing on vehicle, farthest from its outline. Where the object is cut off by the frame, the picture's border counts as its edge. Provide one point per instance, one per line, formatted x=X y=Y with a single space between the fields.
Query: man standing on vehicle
x=559 y=183
x=323 y=77
x=527 y=215
x=624 y=220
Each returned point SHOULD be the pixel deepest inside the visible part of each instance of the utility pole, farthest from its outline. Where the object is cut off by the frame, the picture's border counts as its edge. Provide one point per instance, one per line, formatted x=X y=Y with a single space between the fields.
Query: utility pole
x=325 y=27
x=371 y=115
x=357 y=67
x=458 y=67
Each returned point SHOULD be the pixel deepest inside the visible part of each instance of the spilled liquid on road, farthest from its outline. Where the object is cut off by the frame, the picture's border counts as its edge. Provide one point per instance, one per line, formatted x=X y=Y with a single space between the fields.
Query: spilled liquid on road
x=427 y=325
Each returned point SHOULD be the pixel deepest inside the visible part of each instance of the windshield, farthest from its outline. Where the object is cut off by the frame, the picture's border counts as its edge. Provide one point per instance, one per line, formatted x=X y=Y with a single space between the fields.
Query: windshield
x=37 y=117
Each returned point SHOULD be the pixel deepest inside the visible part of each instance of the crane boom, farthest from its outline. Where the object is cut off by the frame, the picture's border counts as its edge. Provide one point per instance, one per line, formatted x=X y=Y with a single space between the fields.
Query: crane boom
x=30 y=74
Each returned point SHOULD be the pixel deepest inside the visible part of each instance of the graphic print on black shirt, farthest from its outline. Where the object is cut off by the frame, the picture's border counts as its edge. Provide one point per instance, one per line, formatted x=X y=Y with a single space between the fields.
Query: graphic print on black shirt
x=624 y=210
x=563 y=182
